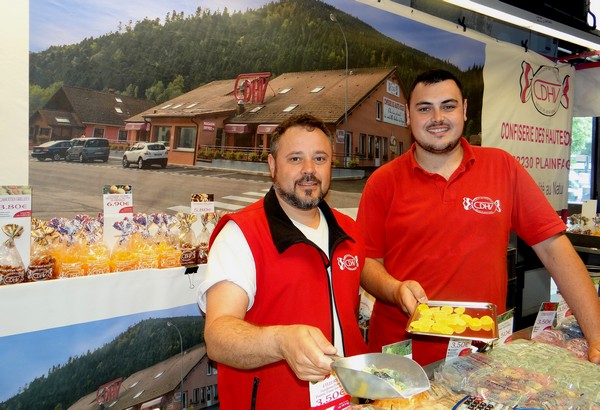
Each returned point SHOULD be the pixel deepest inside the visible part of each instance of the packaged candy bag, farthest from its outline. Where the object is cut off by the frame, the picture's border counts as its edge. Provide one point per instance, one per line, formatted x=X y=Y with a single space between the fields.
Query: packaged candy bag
x=97 y=254
x=142 y=242
x=209 y=221
x=12 y=269
x=69 y=252
x=124 y=256
x=42 y=261
x=168 y=255
x=186 y=241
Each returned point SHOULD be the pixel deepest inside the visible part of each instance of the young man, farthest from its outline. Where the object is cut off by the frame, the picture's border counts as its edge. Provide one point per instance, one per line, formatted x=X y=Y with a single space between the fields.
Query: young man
x=425 y=240
x=282 y=285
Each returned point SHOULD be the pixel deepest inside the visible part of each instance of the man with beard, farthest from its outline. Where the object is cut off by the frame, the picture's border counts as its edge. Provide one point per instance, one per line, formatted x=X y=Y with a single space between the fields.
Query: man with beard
x=437 y=222
x=281 y=290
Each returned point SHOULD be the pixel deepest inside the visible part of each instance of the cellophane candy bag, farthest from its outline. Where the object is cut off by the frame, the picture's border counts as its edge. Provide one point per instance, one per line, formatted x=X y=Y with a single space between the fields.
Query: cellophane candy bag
x=142 y=242
x=12 y=269
x=168 y=255
x=97 y=254
x=69 y=251
x=42 y=261
x=124 y=256
x=186 y=241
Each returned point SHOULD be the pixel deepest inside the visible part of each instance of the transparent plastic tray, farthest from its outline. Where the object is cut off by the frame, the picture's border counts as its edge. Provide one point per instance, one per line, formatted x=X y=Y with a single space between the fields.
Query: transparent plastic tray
x=475 y=310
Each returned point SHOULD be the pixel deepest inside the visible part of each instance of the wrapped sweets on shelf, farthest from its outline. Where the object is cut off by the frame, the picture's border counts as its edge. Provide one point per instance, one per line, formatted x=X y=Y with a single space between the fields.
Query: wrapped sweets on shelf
x=168 y=255
x=96 y=255
x=42 y=261
x=124 y=256
x=69 y=251
x=12 y=269
x=186 y=240
x=143 y=243
x=209 y=221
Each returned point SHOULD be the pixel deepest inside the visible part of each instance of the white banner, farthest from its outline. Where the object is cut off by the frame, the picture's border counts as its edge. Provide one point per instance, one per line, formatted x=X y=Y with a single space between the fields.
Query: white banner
x=527 y=111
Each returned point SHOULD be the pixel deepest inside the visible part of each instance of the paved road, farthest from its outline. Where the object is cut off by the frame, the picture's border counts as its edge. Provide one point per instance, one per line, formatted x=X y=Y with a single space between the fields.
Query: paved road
x=67 y=189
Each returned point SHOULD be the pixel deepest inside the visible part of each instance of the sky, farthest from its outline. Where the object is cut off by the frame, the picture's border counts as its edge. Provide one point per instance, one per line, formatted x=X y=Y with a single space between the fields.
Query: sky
x=28 y=356
x=61 y=22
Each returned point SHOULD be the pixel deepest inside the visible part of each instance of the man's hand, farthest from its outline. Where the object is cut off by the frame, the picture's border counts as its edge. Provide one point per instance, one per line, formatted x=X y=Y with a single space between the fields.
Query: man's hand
x=594 y=352
x=409 y=295
x=306 y=350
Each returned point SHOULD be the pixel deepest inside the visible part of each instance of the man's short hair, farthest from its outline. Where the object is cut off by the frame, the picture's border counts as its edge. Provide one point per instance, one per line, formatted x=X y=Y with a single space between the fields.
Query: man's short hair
x=307 y=121
x=433 y=77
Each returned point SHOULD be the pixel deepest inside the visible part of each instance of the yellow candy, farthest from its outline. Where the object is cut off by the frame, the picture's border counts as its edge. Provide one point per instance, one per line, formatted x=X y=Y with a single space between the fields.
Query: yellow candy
x=459 y=310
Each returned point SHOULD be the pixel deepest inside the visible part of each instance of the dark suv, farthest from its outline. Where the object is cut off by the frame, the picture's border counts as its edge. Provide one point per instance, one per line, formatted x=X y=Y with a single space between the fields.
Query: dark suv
x=88 y=149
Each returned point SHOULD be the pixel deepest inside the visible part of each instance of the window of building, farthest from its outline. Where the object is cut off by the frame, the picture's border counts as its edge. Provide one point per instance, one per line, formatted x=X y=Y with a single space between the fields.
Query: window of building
x=185 y=138
x=362 y=144
x=158 y=375
x=138 y=394
x=384 y=147
x=119 y=110
x=98 y=133
x=285 y=91
x=203 y=395
x=580 y=174
x=317 y=89
x=122 y=135
x=162 y=134
x=196 y=395
x=118 y=99
x=378 y=111
x=44 y=131
x=290 y=107
x=62 y=120
x=257 y=108
x=370 y=148
x=184 y=399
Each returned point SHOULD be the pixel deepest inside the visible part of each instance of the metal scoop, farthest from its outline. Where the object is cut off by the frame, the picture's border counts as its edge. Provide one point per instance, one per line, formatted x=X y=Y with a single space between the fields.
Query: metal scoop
x=359 y=382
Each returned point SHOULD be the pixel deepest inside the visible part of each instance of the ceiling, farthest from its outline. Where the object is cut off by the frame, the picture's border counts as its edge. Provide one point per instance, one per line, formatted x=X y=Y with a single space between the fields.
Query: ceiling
x=573 y=15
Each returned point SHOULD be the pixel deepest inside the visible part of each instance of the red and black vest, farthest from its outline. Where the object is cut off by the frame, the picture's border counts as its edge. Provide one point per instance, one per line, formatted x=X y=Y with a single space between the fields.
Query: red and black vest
x=292 y=287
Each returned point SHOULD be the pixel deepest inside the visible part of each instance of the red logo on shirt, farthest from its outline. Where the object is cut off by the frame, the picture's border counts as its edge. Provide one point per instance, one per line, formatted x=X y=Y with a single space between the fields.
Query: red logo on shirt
x=348 y=262
x=482 y=205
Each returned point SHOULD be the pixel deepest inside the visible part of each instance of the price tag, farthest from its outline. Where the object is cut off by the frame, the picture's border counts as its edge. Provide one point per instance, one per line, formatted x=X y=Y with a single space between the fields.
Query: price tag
x=118 y=205
x=545 y=318
x=328 y=394
x=15 y=209
x=118 y=199
x=459 y=347
x=505 y=327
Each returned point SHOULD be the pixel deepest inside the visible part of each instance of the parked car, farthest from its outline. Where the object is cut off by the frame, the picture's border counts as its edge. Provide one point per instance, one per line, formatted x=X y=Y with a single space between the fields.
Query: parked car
x=88 y=149
x=145 y=154
x=54 y=150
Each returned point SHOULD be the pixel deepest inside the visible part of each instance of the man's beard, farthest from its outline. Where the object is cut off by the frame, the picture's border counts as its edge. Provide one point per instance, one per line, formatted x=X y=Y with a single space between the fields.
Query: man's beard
x=437 y=150
x=291 y=198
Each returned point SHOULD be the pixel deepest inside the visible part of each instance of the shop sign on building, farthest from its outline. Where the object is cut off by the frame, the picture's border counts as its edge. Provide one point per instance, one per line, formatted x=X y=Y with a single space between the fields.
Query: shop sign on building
x=392 y=88
x=394 y=112
x=251 y=88
x=209 y=126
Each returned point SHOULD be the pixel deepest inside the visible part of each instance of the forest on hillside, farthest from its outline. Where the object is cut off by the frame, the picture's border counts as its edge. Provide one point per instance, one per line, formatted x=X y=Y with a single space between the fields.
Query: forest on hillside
x=161 y=60
x=142 y=345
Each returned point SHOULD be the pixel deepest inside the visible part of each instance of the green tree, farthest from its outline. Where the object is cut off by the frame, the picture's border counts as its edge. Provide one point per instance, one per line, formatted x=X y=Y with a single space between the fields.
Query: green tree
x=581 y=136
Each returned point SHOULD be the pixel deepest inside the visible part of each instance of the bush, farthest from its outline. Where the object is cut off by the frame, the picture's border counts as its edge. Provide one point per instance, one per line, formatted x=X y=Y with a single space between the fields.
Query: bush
x=336 y=163
x=240 y=156
x=253 y=156
x=264 y=156
x=353 y=163
x=229 y=155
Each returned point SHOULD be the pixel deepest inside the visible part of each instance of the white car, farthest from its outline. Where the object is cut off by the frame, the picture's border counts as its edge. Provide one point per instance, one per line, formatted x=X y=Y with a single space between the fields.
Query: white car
x=145 y=154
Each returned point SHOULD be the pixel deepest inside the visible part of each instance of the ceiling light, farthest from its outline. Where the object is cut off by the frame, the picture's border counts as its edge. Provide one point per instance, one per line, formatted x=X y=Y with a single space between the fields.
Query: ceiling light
x=519 y=17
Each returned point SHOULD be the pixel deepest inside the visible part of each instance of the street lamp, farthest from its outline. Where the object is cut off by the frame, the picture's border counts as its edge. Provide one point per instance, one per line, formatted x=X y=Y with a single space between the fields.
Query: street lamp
x=169 y=323
x=334 y=19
